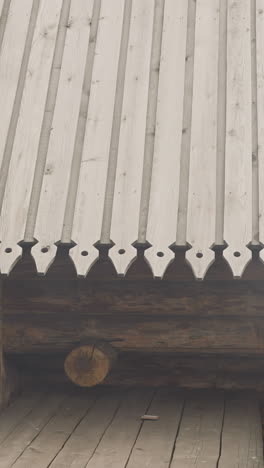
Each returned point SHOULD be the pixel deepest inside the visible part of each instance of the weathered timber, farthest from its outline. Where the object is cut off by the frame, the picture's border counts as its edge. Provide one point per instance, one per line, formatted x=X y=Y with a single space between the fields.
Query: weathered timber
x=59 y=311
x=4 y=390
x=154 y=369
x=88 y=365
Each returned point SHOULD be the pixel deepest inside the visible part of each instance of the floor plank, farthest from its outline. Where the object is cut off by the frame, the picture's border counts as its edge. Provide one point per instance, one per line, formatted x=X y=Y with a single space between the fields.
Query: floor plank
x=87 y=435
x=28 y=429
x=117 y=443
x=199 y=439
x=16 y=412
x=50 y=440
x=242 y=438
x=155 y=443
x=102 y=428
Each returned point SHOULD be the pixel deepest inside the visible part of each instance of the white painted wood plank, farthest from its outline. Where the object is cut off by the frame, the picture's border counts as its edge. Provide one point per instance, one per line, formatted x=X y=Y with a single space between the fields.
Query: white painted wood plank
x=11 y=56
x=56 y=177
x=93 y=173
x=126 y=205
x=25 y=148
x=163 y=207
x=1 y=7
x=238 y=167
x=260 y=113
x=201 y=216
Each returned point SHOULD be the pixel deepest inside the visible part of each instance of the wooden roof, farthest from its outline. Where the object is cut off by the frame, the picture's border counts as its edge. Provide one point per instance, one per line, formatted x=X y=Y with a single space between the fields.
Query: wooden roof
x=128 y=121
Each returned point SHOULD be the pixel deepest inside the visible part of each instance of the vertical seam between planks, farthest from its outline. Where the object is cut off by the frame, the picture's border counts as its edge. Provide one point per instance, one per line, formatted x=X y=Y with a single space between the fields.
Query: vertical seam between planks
x=112 y=163
x=221 y=124
x=17 y=102
x=74 y=429
x=255 y=168
x=47 y=121
x=140 y=427
x=221 y=435
x=151 y=118
x=81 y=127
x=106 y=428
x=186 y=131
x=3 y=20
x=43 y=427
x=177 y=433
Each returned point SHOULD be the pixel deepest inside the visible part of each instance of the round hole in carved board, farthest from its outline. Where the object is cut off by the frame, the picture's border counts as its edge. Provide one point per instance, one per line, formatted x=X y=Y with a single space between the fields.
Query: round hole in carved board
x=84 y=253
x=44 y=249
x=8 y=250
x=160 y=254
x=199 y=255
x=121 y=251
x=237 y=254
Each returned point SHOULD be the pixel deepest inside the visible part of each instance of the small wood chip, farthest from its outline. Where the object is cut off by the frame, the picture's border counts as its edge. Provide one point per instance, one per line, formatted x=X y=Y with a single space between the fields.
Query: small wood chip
x=149 y=417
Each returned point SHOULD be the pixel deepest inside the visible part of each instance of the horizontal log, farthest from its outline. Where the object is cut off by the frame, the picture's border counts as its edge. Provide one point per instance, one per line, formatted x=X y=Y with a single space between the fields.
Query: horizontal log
x=151 y=369
x=52 y=332
x=41 y=295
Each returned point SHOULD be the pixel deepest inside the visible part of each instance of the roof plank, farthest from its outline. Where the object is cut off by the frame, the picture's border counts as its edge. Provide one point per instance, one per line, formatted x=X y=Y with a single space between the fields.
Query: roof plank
x=26 y=142
x=93 y=173
x=49 y=223
x=238 y=165
x=127 y=194
x=164 y=194
x=260 y=114
x=201 y=217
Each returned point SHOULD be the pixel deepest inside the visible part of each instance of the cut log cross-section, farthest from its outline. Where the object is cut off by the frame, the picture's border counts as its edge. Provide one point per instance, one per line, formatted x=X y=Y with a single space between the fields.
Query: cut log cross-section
x=88 y=365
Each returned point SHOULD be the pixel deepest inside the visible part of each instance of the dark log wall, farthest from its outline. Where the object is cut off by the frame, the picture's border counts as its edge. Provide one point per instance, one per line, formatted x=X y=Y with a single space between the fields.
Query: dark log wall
x=178 y=316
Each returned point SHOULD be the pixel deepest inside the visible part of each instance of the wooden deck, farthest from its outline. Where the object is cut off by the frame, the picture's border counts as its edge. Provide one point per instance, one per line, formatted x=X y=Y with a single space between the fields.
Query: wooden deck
x=103 y=428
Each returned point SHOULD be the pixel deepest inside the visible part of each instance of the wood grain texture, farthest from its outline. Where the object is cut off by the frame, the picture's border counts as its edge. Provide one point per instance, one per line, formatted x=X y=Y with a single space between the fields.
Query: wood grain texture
x=10 y=61
x=49 y=223
x=84 y=440
x=28 y=429
x=199 y=438
x=260 y=112
x=25 y=147
x=242 y=438
x=163 y=204
x=126 y=206
x=122 y=432
x=201 y=217
x=43 y=449
x=93 y=173
x=148 y=128
x=155 y=442
x=238 y=167
x=1 y=8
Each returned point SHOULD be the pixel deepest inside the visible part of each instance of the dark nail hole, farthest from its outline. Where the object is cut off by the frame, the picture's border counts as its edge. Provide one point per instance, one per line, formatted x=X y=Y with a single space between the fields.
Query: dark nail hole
x=199 y=255
x=121 y=251
x=237 y=254
x=160 y=254
x=44 y=250
x=8 y=250
x=84 y=253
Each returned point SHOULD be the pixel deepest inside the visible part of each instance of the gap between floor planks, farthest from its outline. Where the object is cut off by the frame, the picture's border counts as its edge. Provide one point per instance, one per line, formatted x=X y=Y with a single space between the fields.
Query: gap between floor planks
x=102 y=428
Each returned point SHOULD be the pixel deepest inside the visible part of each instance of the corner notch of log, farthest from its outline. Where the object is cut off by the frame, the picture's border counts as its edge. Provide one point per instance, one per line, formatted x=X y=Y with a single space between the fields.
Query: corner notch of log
x=89 y=364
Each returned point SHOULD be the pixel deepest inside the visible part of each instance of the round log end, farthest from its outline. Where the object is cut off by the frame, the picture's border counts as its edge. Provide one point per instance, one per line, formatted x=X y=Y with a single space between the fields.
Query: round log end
x=88 y=365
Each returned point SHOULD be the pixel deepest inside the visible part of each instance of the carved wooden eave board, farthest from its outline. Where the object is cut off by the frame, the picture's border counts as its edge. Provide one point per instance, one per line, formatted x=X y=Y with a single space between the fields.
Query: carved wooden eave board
x=132 y=122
